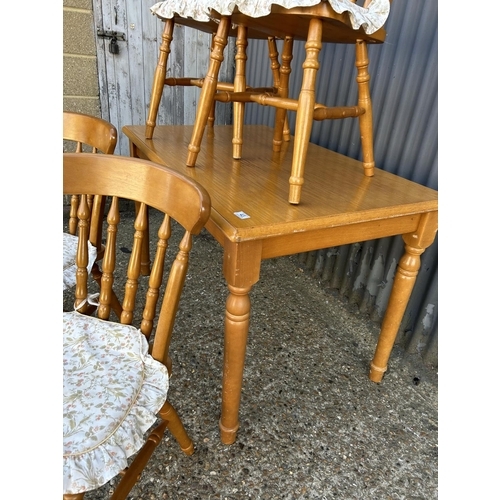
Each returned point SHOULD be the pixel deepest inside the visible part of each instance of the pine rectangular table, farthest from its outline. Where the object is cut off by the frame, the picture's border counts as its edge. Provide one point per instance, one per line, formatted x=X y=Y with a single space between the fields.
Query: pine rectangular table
x=252 y=220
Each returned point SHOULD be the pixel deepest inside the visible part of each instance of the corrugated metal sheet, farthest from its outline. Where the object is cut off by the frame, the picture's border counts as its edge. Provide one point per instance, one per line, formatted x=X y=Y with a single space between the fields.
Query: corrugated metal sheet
x=403 y=84
x=404 y=79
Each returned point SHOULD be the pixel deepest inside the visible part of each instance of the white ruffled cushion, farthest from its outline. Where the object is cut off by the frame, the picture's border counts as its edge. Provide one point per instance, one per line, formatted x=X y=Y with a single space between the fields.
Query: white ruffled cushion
x=70 y=245
x=370 y=19
x=113 y=390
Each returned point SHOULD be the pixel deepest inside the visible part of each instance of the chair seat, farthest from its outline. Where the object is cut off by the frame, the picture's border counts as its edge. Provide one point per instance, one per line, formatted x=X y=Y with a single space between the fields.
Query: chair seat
x=370 y=19
x=113 y=390
x=70 y=244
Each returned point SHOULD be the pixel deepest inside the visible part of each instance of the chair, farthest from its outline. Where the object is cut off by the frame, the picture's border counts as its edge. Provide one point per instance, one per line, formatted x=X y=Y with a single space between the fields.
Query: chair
x=116 y=374
x=210 y=26
x=332 y=21
x=86 y=133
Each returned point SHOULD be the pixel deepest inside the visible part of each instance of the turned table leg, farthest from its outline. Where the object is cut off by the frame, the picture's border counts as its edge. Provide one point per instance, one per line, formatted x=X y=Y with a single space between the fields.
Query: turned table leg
x=406 y=275
x=236 y=325
x=241 y=270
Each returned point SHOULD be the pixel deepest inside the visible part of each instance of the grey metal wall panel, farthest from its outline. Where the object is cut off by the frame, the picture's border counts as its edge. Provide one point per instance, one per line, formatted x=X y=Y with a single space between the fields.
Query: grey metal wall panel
x=404 y=79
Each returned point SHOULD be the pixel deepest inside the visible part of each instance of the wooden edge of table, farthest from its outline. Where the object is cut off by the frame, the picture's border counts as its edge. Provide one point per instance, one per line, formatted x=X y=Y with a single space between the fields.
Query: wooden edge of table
x=384 y=221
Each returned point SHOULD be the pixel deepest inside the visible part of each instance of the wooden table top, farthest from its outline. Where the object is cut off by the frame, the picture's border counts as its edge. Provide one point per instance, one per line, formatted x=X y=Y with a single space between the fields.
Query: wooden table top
x=336 y=193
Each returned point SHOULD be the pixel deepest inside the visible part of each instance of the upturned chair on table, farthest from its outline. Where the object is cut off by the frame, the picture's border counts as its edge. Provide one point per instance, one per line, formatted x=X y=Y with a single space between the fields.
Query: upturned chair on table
x=329 y=21
x=210 y=26
x=86 y=133
x=116 y=375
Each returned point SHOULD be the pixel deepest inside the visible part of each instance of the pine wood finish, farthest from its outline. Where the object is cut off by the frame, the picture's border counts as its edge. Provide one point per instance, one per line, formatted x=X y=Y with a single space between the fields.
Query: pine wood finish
x=180 y=199
x=239 y=84
x=316 y=25
x=89 y=133
x=88 y=130
x=340 y=205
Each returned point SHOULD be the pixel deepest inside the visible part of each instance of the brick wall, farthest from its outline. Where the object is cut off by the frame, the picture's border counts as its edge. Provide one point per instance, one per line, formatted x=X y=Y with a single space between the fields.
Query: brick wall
x=80 y=80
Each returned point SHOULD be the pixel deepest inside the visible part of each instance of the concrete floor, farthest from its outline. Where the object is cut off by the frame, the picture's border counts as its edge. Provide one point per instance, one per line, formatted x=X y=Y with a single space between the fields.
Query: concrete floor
x=312 y=425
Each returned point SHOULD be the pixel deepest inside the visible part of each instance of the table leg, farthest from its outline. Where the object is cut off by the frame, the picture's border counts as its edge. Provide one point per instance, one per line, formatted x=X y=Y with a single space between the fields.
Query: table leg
x=406 y=275
x=236 y=325
x=241 y=269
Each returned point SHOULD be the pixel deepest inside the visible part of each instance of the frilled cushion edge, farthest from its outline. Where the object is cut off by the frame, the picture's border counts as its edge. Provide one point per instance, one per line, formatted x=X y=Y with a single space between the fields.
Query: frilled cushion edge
x=113 y=390
x=70 y=245
x=370 y=19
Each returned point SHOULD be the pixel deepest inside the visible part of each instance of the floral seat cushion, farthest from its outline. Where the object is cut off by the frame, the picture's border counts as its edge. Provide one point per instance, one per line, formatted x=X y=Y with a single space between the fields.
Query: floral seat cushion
x=370 y=19
x=112 y=392
x=70 y=244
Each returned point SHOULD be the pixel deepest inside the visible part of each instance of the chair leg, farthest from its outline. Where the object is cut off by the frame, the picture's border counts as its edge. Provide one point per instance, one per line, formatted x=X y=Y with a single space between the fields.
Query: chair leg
x=159 y=77
x=211 y=116
x=305 y=109
x=281 y=74
x=132 y=474
x=208 y=90
x=174 y=424
x=240 y=85
x=364 y=101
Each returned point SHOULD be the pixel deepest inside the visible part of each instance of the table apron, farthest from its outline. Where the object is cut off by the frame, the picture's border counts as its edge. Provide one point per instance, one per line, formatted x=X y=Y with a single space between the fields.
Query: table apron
x=289 y=244
x=305 y=241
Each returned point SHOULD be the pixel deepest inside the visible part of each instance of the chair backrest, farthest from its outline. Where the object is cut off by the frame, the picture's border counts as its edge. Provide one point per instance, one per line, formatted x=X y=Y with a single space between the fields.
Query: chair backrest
x=148 y=184
x=88 y=133
x=88 y=130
